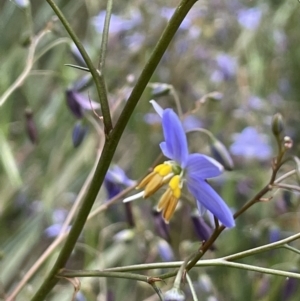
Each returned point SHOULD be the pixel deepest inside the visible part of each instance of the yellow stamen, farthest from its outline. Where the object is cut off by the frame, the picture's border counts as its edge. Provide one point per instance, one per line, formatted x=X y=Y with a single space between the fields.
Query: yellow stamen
x=169 y=199
x=146 y=180
x=155 y=183
x=156 y=179
x=163 y=169
x=169 y=210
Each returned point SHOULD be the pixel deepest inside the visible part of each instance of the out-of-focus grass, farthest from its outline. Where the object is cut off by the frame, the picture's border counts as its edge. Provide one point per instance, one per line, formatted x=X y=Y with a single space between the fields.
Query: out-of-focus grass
x=259 y=75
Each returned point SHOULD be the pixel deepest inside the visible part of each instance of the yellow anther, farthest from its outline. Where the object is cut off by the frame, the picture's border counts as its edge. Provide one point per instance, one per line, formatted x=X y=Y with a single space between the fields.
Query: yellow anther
x=175 y=182
x=146 y=180
x=154 y=184
x=163 y=169
x=169 y=200
x=167 y=204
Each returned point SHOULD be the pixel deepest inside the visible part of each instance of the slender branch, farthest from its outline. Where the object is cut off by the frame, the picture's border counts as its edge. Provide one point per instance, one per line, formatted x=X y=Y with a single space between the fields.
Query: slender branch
x=287 y=186
x=112 y=139
x=105 y=34
x=286 y=246
x=202 y=263
x=76 y=273
x=28 y=66
x=285 y=176
x=189 y=281
x=163 y=265
x=100 y=86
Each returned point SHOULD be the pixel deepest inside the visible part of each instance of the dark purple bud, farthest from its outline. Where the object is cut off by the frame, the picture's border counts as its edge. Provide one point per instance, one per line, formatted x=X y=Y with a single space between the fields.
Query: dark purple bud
x=79 y=133
x=202 y=230
x=77 y=103
x=162 y=229
x=287 y=198
x=129 y=215
x=289 y=289
x=31 y=127
x=112 y=188
x=73 y=104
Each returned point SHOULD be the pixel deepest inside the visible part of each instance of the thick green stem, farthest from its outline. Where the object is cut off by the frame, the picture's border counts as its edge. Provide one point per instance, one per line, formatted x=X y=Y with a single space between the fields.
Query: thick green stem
x=112 y=138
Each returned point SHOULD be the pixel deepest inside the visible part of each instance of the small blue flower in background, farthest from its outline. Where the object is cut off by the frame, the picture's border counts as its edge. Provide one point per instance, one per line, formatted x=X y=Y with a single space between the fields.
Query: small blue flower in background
x=118 y=24
x=191 y=122
x=251 y=145
x=249 y=18
x=226 y=68
x=164 y=250
x=192 y=169
x=22 y=3
x=115 y=180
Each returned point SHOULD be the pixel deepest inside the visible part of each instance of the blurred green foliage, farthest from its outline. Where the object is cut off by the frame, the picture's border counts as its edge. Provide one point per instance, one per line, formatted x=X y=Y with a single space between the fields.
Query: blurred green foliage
x=253 y=60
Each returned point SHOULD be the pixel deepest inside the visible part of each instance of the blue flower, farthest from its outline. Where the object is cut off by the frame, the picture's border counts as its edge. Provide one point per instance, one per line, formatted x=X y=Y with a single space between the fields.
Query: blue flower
x=250 y=18
x=192 y=169
x=115 y=180
x=251 y=145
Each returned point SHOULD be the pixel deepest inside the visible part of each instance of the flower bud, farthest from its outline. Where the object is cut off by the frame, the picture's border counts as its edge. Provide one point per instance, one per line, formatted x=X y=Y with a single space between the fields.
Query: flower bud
x=31 y=127
x=73 y=104
x=79 y=133
x=220 y=153
x=290 y=287
x=129 y=215
x=161 y=228
x=77 y=103
x=174 y=294
x=202 y=230
x=165 y=251
x=277 y=125
x=212 y=96
x=274 y=234
x=288 y=142
x=160 y=89
x=22 y=3
x=125 y=235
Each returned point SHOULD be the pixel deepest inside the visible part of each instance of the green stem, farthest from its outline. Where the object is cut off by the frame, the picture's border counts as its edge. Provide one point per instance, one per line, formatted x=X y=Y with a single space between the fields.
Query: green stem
x=275 y=245
x=79 y=273
x=112 y=138
x=99 y=82
x=190 y=282
x=105 y=33
x=203 y=263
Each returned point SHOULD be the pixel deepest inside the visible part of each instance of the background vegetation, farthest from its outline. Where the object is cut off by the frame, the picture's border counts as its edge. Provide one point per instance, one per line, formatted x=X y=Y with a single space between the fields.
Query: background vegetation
x=248 y=53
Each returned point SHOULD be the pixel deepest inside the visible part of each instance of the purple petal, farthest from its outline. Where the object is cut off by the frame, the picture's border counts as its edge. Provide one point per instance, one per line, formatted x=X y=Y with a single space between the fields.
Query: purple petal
x=202 y=167
x=211 y=200
x=175 y=146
